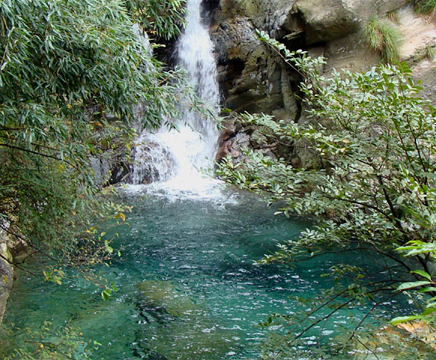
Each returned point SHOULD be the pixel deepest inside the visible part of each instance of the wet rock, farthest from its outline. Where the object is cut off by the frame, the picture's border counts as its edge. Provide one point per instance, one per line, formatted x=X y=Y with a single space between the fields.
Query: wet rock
x=236 y=138
x=111 y=167
x=153 y=162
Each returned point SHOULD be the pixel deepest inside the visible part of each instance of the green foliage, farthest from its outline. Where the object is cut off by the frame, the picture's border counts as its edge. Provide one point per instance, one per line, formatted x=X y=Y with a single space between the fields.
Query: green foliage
x=72 y=74
x=430 y=52
x=424 y=284
x=425 y=6
x=52 y=344
x=161 y=19
x=376 y=139
x=382 y=37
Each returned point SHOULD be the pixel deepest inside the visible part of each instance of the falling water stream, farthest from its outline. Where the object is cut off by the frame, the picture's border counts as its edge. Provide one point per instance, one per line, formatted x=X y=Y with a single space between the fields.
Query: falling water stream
x=176 y=157
x=187 y=284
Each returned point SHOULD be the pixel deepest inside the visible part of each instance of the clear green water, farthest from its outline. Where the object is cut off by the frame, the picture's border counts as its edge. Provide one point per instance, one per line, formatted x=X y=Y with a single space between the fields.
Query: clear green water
x=188 y=288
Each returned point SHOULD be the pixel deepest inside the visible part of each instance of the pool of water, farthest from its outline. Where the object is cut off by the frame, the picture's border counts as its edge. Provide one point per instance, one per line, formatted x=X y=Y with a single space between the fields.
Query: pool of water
x=187 y=284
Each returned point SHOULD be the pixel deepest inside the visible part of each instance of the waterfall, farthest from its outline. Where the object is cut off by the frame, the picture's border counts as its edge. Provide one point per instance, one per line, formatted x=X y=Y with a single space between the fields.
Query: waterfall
x=177 y=156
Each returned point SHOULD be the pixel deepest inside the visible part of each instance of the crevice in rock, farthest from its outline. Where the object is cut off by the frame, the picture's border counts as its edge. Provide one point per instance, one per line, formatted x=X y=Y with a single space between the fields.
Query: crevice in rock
x=234 y=69
x=208 y=8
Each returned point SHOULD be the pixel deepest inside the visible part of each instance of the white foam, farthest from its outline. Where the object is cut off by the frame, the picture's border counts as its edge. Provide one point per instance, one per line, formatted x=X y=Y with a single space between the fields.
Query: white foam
x=174 y=159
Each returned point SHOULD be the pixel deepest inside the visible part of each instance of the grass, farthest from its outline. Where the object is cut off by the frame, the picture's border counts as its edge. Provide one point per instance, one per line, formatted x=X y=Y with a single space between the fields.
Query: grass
x=425 y=6
x=382 y=37
x=430 y=52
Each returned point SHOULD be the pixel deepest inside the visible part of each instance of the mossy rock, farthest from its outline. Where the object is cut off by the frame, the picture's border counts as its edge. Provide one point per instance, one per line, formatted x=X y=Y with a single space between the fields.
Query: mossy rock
x=181 y=328
x=164 y=295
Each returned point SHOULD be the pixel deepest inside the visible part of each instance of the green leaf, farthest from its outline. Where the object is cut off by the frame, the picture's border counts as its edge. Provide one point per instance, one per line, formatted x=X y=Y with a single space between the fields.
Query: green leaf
x=430 y=310
x=411 y=285
x=401 y=319
x=422 y=273
x=428 y=289
x=105 y=294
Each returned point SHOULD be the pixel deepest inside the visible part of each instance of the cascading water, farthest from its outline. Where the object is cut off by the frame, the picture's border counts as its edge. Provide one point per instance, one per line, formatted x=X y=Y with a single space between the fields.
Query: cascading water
x=177 y=156
x=188 y=286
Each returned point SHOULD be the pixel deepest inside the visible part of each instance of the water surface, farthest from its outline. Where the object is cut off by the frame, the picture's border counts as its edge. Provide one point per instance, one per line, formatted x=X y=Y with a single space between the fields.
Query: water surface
x=188 y=288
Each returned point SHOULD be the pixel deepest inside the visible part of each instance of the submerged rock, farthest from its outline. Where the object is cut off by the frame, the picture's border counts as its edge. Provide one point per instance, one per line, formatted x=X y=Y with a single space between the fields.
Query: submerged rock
x=164 y=297
x=189 y=328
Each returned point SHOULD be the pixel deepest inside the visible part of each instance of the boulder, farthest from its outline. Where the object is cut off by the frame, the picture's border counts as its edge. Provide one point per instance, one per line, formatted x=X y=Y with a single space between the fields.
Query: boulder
x=327 y=20
x=111 y=167
x=6 y=272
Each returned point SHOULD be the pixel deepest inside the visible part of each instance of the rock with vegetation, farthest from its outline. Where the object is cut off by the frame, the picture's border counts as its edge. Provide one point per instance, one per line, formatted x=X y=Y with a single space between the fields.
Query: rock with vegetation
x=354 y=35
x=253 y=77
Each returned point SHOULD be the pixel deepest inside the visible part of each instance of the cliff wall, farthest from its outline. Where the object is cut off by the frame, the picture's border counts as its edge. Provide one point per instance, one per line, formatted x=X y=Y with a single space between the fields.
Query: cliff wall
x=255 y=79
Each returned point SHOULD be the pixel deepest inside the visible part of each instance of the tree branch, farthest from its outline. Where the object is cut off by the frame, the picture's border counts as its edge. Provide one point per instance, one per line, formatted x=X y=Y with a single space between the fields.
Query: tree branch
x=39 y=154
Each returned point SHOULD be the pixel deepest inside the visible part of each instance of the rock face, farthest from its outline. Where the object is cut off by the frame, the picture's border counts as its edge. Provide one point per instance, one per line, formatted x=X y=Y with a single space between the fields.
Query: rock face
x=10 y=247
x=111 y=167
x=255 y=79
x=251 y=78
x=6 y=274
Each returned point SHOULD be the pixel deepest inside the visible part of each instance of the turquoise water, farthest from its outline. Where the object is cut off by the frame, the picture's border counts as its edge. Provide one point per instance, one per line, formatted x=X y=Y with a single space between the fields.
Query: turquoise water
x=188 y=288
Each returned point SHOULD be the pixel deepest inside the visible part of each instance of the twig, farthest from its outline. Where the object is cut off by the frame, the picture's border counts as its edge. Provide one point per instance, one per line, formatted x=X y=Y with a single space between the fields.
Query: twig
x=39 y=154
x=17 y=266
